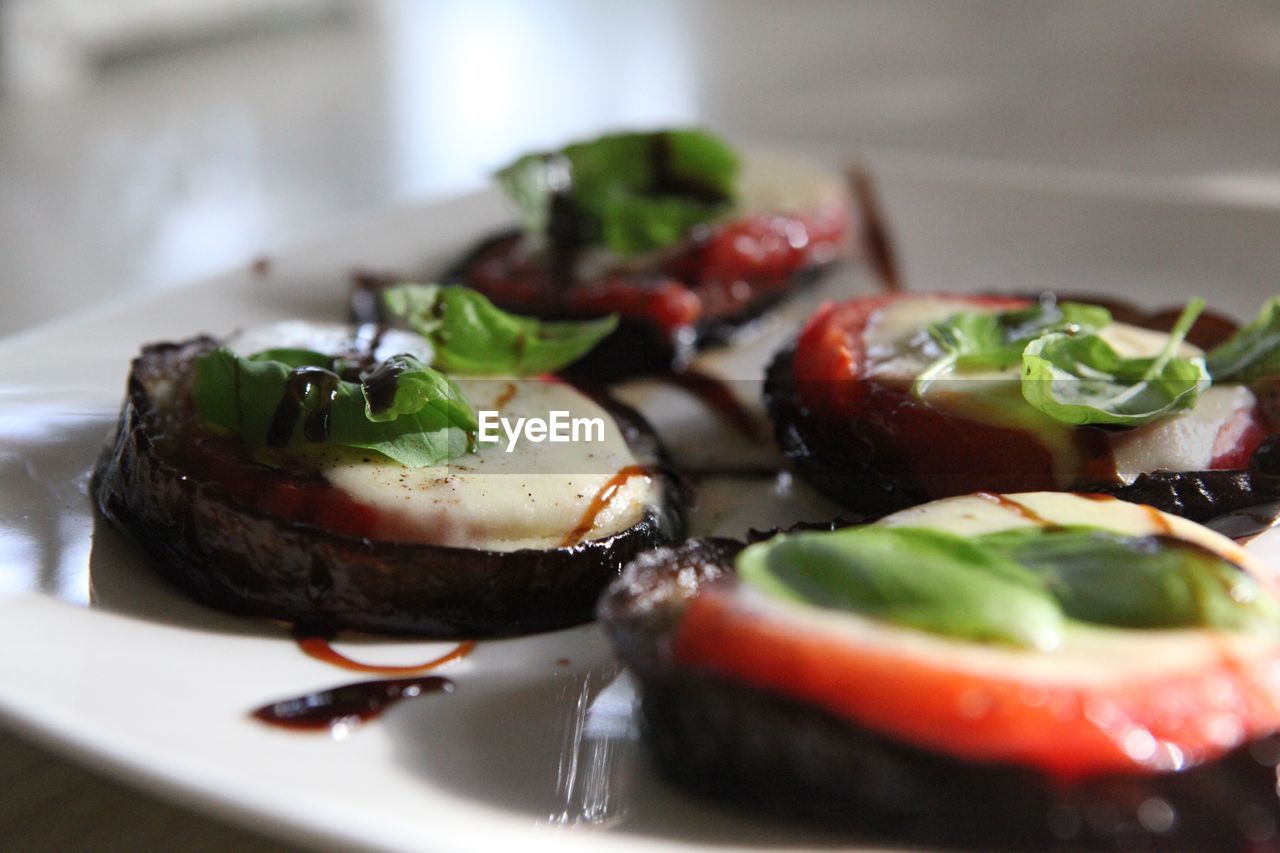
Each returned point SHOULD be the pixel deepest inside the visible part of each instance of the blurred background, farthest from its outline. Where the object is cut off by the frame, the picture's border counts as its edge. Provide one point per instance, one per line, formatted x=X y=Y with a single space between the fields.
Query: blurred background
x=145 y=143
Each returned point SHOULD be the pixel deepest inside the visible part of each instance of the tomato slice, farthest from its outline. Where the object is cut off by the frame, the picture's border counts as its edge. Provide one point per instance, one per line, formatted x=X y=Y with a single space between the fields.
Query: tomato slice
x=1133 y=702
x=942 y=451
x=723 y=273
x=831 y=351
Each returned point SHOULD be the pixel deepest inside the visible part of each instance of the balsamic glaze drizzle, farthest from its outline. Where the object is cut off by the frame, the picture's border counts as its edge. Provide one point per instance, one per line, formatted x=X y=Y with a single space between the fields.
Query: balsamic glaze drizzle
x=315 y=427
x=338 y=709
x=875 y=237
x=381 y=385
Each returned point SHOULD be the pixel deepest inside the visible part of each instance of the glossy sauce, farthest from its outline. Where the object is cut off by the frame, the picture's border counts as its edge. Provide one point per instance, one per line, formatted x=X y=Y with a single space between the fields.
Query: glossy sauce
x=1016 y=508
x=339 y=709
x=564 y=228
x=1158 y=520
x=381 y=385
x=875 y=239
x=600 y=501
x=716 y=394
x=319 y=646
x=505 y=397
x=289 y=410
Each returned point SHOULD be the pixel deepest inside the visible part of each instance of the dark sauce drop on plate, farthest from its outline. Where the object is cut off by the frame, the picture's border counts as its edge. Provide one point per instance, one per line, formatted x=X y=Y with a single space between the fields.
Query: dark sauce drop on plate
x=337 y=709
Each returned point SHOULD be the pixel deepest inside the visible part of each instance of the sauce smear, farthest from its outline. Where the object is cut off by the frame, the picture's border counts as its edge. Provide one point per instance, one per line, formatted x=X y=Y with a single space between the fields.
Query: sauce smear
x=600 y=501
x=716 y=394
x=340 y=709
x=1016 y=508
x=874 y=238
x=319 y=646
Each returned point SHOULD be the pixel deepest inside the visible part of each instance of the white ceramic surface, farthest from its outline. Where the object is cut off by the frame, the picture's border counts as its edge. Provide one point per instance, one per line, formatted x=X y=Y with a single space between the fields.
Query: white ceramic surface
x=107 y=660
x=104 y=659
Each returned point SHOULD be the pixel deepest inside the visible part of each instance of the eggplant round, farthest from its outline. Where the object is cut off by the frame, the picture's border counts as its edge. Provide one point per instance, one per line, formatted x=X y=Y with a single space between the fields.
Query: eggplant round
x=850 y=462
x=247 y=561
x=634 y=348
x=766 y=753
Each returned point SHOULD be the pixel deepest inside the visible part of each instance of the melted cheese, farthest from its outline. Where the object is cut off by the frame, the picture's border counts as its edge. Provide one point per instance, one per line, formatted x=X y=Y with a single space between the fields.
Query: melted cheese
x=1090 y=656
x=533 y=497
x=899 y=347
x=778 y=183
x=770 y=183
x=1185 y=441
x=975 y=515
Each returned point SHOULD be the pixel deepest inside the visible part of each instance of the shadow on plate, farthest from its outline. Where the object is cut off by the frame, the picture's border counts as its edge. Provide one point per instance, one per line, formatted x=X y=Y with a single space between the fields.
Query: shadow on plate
x=561 y=745
x=123 y=580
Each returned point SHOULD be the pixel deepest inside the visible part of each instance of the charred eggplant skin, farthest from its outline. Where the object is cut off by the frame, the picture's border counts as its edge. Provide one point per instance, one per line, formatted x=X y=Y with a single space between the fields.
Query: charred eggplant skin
x=245 y=561
x=766 y=753
x=848 y=462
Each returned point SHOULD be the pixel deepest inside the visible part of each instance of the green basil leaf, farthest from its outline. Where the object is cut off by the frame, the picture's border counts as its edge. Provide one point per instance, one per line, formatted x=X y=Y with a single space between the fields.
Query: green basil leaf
x=296 y=357
x=403 y=385
x=1253 y=352
x=1107 y=578
x=283 y=403
x=471 y=335
x=997 y=340
x=631 y=192
x=1015 y=587
x=920 y=578
x=974 y=340
x=1082 y=380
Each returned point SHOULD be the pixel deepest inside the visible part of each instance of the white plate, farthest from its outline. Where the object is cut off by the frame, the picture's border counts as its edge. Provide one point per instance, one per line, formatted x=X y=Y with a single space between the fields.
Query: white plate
x=106 y=660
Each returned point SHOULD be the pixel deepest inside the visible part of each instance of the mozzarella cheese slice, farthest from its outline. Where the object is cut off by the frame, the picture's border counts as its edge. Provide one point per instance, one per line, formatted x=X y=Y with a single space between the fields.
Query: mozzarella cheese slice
x=533 y=497
x=770 y=183
x=1090 y=656
x=539 y=495
x=899 y=346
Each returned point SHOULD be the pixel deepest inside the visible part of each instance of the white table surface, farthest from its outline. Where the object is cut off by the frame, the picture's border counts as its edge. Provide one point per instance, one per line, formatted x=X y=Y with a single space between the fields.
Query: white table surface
x=180 y=164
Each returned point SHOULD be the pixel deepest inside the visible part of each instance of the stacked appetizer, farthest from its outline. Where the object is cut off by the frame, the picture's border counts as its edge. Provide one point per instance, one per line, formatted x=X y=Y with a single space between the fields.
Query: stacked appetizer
x=674 y=231
x=336 y=476
x=887 y=401
x=987 y=670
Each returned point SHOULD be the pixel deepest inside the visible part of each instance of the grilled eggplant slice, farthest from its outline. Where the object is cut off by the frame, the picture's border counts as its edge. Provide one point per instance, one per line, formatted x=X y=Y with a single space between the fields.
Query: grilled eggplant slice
x=226 y=545
x=706 y=241
x=868 y=441
x=755 y=736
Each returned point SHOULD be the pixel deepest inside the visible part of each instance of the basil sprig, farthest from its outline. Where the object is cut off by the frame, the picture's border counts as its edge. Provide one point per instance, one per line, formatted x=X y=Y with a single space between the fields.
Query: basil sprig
x=921 y=578
x=1082 y=380
x=403 y=409
x=470 y=335
x=1106 y=578
x=629 y=192
x=973 y=340
x=1018 y=587
x=1253 y=352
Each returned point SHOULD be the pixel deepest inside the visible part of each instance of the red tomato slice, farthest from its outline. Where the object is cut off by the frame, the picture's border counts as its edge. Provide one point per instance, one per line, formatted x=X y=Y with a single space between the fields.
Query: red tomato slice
x=940 y=451
x=1141 y=702
x=735 y=264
